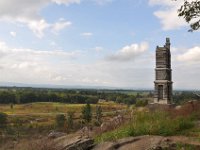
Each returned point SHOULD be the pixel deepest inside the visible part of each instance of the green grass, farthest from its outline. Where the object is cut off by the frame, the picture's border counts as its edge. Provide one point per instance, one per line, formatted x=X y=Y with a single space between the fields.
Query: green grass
x=50 y=107
x=42 y=114
x=146 y=123
x=180 y=146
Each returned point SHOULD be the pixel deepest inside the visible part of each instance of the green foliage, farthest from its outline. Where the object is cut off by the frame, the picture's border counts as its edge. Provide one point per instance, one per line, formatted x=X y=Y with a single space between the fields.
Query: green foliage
x=3 y=120
x=60 y=120
x=69 y=120
x=43 y=95
x=141 y=103
x=126 y=99
x=190 y=11
x=11 y=106
x=157 y=123
x=181 y=97
x=98 y=114
x=180 y=146
x=17 y=95
x=17 y=122
x=87 y=113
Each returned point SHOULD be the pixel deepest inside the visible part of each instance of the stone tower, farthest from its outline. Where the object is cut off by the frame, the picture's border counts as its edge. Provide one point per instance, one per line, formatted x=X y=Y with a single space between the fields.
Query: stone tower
x=163 y=82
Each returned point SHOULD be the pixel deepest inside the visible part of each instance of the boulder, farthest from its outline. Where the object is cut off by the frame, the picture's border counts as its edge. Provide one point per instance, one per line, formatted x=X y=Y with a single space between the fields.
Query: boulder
x=55 y=134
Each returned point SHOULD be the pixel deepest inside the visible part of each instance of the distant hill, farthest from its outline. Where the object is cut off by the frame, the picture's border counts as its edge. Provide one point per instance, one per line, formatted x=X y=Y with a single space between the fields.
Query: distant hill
x=14 y=84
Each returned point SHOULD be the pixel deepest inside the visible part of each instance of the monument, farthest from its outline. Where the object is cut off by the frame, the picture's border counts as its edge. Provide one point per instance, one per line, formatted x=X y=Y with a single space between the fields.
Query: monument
x=163 y=75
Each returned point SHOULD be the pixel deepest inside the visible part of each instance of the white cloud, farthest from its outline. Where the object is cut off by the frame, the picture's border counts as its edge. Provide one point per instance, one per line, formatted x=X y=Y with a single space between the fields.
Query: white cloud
x=53 y=43
x=168 y=14
x=129 y=52
x=13 y=34
x=26 y=65
x=87 y=34
x=66 y=2
x=58 y=67
x=60 y=25
x=102 y=2
x=38 y=27
x=28 y=13
x=98 y=49
x=161 y=2
x=191 y=56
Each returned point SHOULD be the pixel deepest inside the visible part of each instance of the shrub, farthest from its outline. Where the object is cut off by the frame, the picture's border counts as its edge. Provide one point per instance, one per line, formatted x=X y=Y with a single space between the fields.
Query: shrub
x=69 y=120
x=98 y=115
x=87 y=113
x=60 y=121
x=146 y=123
x=141 y=103
x=3 y=120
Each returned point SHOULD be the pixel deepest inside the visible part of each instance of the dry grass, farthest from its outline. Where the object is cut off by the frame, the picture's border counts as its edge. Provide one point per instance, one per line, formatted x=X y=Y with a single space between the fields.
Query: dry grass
x=45 y=112
x=51 y=108
x=38 y=119
x=29 y=144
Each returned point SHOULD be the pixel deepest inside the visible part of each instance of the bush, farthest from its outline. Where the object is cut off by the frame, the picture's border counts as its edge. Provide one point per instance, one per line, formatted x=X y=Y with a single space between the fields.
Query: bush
x=98 y=115
x=141 y=103
x=69 y=120
x=87 y=113
x=3 y=120
x=60 y=121
x=145 y=123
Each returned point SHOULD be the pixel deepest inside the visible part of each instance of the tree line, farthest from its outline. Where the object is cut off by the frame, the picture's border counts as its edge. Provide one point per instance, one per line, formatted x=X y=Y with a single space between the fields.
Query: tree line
x=82 y=96
x=30 y=95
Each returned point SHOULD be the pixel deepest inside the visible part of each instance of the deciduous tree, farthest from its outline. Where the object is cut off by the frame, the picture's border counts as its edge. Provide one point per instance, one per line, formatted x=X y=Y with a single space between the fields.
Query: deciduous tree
x=190 y=11
x=3 y=120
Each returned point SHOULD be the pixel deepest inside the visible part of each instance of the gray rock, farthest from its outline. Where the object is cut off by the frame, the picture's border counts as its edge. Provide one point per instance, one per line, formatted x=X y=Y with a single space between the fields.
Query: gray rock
x=80 y=144
x=55 y=134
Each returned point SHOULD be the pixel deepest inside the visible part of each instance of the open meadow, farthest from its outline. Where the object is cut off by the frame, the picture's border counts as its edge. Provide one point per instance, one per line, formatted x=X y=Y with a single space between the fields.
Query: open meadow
x=44 y=113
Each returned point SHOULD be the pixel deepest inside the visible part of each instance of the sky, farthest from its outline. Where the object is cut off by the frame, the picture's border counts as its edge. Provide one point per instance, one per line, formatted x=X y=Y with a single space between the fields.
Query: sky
x=107 y=43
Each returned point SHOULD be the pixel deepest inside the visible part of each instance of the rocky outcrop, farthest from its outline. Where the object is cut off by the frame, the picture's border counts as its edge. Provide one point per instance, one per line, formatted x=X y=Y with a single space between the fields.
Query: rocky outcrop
x=74 y=142
x=55 y=134
x=130 y=143
x=81 y=144
x=145 y=143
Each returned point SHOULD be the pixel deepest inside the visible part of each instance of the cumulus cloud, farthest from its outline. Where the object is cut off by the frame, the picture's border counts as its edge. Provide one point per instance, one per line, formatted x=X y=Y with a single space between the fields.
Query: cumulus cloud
x=87 y=34
x=102 y=2
x=59 y=67
x=13 y=34
x=191 y=56
x=98 y=48
x=26 y=65
x=167 y=14
x=60 y=25
x=66 y=2
x=53 y=43
x=28 y=13
x=129 y=52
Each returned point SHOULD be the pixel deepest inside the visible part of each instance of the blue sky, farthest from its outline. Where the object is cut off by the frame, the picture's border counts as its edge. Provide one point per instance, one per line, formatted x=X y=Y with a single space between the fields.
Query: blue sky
x=94 y=42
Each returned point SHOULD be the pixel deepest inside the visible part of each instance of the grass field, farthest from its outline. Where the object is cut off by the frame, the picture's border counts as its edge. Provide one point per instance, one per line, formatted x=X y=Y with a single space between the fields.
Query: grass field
x=43 y=114
x=51 y=108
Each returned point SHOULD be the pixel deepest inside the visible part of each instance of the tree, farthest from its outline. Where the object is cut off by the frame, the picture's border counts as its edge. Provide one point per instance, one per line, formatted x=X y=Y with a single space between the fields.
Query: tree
x=18 y=125
x=3 y=120
x=60 y=121
x=98 y=114
x=141 y=103
x=190 y=11
x=69 y=120
x=87 y=113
